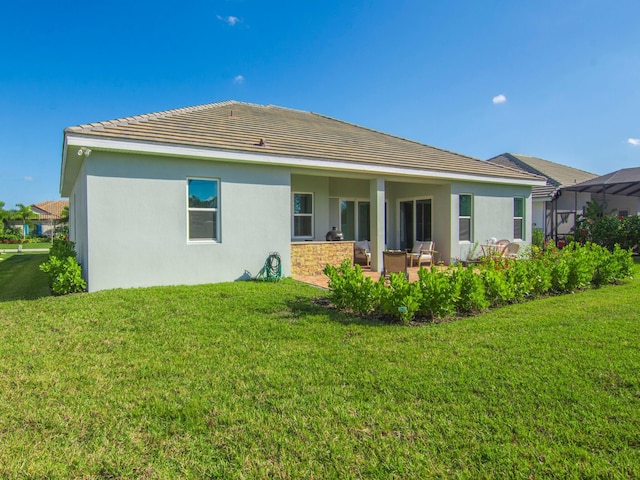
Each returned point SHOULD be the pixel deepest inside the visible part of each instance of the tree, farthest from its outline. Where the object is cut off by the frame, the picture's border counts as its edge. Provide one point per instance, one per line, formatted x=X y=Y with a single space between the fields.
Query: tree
x=25 y=214
x=4 y=217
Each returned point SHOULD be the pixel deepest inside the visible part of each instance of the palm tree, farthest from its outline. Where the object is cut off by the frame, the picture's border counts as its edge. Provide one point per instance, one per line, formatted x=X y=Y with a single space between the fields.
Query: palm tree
x=25 y=214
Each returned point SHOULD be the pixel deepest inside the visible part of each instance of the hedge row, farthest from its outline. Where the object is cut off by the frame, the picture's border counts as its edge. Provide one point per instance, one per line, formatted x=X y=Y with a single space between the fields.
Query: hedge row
x=441 y=293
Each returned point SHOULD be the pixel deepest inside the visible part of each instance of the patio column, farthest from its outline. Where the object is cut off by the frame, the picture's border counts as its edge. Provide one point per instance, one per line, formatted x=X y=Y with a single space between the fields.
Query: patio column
x=376 y=196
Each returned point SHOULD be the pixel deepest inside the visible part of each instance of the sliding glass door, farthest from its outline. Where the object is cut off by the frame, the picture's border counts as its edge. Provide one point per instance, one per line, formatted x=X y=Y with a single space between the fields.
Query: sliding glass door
x=415 y=222
x=355 y=222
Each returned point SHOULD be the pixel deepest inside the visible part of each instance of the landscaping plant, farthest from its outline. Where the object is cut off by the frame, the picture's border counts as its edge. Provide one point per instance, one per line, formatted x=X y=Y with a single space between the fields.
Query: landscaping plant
x=495 y=282
x=62 y=268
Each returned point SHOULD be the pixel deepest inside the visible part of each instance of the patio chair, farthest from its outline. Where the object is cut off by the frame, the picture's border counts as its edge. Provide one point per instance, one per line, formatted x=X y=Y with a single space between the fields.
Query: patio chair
x=395 y=262
x=501 y=246
x=362 y=252
x=511 y=250
x=422 y=252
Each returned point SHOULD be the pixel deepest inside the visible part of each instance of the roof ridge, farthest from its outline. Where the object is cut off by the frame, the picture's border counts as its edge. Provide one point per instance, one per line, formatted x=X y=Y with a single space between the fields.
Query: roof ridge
x=531 y=168
x=555 y=163
x=151 y=116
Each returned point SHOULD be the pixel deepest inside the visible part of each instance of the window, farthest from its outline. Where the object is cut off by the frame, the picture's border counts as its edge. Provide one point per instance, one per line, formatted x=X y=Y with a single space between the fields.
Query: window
x=303 y=215
x=415 y=222
x=464 y=217
x=202 y=209
x=518 y=218
x=423 y=220
x=355 y=219
x=364 y=221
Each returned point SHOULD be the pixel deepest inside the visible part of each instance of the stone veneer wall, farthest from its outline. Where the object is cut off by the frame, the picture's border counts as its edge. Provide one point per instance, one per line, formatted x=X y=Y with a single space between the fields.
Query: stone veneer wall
x=310 y=258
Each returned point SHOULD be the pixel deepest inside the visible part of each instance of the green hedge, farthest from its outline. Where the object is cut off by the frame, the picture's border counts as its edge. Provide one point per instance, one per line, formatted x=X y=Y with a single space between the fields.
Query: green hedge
x=469 y=290
x=62 y=269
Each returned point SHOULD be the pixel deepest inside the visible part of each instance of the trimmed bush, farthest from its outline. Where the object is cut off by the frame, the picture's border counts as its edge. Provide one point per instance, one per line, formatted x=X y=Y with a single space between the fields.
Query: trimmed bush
x=438 y=294
x=63 y=270
x=350 y=289
x=443 y=293
x=401 y=299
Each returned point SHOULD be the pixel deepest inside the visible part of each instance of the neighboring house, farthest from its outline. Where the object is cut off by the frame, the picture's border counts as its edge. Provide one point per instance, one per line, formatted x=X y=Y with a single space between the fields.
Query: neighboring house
x=617 y=191
x=553 y=212
x=204 y=194
x=49 y=215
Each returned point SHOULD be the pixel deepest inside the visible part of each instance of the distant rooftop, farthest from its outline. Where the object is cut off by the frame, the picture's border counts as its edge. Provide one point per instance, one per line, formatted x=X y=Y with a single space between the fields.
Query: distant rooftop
x=557 y=175
x=50 y=209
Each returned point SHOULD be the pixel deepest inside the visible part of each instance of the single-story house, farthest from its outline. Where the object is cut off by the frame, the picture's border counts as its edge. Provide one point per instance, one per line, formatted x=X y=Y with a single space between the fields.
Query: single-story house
x=49 y=215
x=552 y=212
x=204 y=194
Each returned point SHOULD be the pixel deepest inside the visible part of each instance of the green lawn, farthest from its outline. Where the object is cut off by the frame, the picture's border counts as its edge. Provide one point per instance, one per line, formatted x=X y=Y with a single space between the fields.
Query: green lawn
x=255 y=380
x=20 y=278
x=26 y=246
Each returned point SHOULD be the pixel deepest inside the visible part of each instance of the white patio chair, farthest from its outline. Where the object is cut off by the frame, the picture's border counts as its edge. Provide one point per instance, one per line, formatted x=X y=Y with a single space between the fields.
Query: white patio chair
x=422 y=252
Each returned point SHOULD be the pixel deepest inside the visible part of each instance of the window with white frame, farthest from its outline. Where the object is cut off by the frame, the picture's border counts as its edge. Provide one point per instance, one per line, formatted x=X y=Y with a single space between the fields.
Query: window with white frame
x=518 y=218
x=302 y=215
x=202 y=205
x=465 y=209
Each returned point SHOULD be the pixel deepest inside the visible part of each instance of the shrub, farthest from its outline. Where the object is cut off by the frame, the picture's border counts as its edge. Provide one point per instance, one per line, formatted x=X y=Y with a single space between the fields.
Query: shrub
x=537 y=237
x=623 y=258
x=349 y=288
x=65 y=275
x=580 y=264
x=539 y=276
x=438 y=294
x=62 y=248
x=498 y=288
x=63 y=270
x=401 y=299
x=472 y=297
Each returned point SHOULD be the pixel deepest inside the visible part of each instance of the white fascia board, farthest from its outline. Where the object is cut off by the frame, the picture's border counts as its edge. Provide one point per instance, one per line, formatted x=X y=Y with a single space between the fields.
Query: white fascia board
x=63 y=162
x=132 y=146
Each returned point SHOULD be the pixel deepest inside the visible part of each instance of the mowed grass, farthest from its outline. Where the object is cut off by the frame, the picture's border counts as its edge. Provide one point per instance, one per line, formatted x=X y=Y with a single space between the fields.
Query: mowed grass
x=20 y=278
x=256 y=380
x=26 y=246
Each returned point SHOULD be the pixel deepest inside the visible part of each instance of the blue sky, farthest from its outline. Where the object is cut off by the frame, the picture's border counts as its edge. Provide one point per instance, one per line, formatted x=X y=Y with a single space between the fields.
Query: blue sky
x=554 y=79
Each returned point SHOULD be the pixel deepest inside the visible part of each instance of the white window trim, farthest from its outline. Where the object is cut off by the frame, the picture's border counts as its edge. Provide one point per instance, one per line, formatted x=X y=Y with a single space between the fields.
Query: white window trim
x=524 y=225
x=217 y=210
x=294 y=215
x=470 y=217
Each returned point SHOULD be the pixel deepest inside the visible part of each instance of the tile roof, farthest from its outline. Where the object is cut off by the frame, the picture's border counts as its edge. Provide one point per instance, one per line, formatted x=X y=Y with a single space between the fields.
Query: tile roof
x=557 y=175
x=278 y=131
x=52 y=209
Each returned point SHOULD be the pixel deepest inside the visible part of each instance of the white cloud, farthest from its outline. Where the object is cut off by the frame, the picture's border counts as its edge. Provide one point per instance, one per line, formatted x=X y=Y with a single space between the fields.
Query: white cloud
x=28 y=179
x=634 y=141
x=230 y=20
x=499 y=99
x=238 y=79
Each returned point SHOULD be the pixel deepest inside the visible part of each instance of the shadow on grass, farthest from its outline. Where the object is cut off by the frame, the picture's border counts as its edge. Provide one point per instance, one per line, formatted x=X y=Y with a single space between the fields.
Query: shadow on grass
x=303 y=306
x=21 y=278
